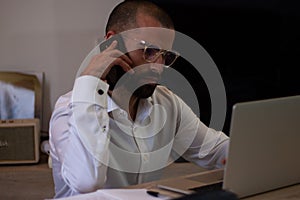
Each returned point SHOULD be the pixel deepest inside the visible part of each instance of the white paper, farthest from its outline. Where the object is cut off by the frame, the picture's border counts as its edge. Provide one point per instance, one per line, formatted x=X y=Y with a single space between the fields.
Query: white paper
x=114 y=194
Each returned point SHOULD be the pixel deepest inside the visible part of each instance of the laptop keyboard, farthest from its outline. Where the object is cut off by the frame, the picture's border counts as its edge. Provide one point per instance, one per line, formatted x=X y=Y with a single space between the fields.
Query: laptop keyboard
x=208 y=188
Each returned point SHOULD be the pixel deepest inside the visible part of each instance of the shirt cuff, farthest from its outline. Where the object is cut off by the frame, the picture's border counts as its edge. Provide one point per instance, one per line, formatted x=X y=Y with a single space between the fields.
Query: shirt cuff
x=90 y=89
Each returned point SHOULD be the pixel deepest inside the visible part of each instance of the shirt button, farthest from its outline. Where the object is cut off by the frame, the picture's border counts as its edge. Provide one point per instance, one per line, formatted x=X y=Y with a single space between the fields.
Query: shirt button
x=104 y=128
x=123 y=114
x=100 y=92
x=145 y=157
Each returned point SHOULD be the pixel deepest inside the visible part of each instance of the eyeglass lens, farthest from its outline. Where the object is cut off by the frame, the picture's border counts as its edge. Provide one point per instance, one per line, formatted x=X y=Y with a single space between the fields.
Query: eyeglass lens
x=151 y=53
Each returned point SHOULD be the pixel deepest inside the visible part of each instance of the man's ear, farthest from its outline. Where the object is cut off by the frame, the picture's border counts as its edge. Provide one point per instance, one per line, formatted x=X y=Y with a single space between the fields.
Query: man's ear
x=109 y=34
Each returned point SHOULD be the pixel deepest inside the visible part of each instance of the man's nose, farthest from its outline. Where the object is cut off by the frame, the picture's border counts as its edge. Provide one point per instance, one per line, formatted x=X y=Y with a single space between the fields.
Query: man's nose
x=157 y=67
x=158 y=64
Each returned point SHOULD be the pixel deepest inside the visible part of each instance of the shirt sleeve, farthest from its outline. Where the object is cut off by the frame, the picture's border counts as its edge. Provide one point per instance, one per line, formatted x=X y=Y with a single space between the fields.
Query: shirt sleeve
x=79 y=135
x=208 y=148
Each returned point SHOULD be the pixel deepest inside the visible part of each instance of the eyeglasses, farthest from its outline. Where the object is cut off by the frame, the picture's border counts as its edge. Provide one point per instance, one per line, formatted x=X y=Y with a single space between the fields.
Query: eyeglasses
x=152 y=52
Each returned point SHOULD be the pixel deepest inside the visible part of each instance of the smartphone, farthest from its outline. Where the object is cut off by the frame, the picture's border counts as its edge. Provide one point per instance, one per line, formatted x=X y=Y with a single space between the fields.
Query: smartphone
x=116 y=71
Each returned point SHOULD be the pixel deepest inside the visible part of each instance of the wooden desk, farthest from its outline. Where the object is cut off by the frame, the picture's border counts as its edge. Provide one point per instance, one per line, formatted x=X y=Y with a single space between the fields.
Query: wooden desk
x=32 y=182
x=287 y=193
x=35 y=182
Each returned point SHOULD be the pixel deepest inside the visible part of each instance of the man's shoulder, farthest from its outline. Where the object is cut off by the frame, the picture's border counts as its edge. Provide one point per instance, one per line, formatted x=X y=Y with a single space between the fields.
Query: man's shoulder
x=163 y=93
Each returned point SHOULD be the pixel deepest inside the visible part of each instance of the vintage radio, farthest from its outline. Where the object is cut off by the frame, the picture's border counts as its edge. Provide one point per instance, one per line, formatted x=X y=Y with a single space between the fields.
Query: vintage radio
x=19 y=141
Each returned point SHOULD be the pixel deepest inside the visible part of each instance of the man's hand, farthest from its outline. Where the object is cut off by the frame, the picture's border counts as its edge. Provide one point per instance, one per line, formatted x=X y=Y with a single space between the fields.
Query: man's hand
x=101 y=63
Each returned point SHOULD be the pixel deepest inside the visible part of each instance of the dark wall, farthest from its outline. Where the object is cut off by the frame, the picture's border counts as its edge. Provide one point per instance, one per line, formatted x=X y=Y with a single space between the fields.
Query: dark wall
x=255 y=45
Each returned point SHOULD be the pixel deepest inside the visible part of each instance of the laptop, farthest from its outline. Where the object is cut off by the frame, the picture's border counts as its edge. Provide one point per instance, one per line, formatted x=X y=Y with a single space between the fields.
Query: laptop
x=263 y=152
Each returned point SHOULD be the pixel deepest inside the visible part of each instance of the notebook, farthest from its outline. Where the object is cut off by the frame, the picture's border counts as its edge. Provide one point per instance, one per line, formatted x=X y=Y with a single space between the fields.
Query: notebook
x=263 y=152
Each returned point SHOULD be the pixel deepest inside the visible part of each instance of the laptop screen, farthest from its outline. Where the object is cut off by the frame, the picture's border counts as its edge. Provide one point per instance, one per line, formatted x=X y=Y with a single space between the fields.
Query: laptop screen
x=264 y=146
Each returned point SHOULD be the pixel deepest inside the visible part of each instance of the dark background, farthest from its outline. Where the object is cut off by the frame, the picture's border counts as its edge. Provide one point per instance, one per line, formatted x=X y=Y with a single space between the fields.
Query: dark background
x=254 y=43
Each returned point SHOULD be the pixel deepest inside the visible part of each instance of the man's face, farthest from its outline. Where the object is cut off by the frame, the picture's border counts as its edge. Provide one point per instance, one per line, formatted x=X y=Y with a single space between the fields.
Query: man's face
x=138 y=43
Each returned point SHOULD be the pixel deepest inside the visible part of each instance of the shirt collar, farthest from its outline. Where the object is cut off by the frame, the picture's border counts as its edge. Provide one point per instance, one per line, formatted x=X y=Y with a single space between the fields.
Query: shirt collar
x=111 y=105
x=144 y=109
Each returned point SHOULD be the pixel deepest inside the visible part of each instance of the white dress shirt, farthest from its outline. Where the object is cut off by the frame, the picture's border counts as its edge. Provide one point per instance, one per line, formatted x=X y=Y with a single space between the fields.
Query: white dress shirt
x=94 y=145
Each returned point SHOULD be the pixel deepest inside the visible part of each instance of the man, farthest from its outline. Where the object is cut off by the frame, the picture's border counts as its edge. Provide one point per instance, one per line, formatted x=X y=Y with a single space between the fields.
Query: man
x=108 y=137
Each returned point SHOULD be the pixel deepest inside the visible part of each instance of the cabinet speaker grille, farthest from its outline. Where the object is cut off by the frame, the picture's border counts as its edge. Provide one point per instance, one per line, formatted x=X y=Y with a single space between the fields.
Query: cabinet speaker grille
x=19 y=141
